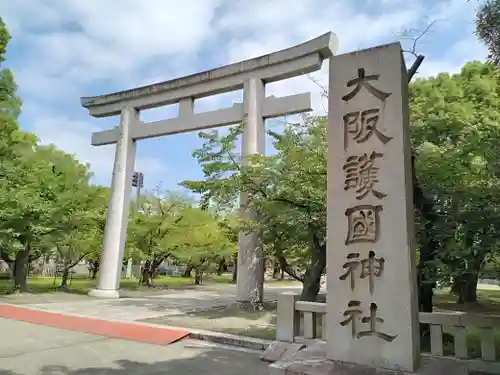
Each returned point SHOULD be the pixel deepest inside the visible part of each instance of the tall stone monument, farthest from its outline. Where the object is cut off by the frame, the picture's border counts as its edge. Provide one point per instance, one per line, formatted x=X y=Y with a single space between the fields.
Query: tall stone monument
x=372 y=297
x=372 y=312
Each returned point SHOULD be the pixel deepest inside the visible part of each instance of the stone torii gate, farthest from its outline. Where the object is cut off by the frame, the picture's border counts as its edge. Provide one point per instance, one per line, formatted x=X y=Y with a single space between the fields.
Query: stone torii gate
x=249 y=75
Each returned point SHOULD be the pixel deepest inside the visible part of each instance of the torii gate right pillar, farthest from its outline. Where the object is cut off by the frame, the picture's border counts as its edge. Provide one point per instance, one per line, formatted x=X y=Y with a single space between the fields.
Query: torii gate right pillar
x=250 y=276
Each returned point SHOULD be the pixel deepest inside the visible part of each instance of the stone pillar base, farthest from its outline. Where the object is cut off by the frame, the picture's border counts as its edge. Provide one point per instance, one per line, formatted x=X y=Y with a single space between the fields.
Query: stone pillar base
x=312 y=361
x=104 y=293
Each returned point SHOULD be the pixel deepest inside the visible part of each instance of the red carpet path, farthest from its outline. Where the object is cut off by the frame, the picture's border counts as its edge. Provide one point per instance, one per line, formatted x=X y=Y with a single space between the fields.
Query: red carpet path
x=127 y=331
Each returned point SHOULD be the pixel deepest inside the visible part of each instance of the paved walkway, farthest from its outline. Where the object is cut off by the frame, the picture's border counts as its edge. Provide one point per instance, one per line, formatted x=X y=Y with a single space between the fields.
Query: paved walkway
x=174 y=302
x=28 y=349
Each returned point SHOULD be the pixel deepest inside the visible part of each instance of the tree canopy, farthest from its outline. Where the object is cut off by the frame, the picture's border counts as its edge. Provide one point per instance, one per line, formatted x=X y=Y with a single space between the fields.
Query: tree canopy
x=488 y=27
x=455 y=133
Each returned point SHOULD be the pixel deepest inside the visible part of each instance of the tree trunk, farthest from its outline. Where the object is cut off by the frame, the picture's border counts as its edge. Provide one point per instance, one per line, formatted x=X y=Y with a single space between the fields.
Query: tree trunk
x=221 y=267
x=465 y=288
x=235 y=268
x=429 y=248
x=198 y=277
x=5 y=256
x=187 y=271
x=147 y=273
x=470 y=293
x=312 y=277
x=65 y=277
x=146 y=277
x=20 y=270
x=276 y=270
x=157 y=261
x=94 y=269
x=150 y=276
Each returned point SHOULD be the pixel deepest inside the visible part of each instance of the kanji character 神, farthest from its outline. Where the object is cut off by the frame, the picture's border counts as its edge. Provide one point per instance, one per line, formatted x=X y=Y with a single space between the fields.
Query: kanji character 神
x=372 y=267
x=369 y=268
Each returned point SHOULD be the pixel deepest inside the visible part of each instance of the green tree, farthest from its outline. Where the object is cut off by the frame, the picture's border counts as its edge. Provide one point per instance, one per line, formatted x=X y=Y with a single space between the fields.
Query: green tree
x=150 y=233
x=455 y=131
x=83 y=237
x=9 y=101
x=40 y=196
x=99 y=220
x=229 y=224
x=291 y=211
x=206 y=245
x=14 y=143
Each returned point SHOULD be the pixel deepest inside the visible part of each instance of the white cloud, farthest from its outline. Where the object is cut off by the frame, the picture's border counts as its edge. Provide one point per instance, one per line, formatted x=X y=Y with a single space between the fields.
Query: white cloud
x=75 y=139
x=81 y=41
x=72 y=48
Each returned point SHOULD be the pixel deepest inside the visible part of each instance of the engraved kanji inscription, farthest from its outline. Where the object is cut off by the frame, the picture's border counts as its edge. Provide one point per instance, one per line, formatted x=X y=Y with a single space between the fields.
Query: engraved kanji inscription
x=369 y=267
x=353 y=316
x=372 y=267
x=361 y=125
x=363 y=223
x=350 y=267
x=363 y=81
x=372 y=320
x=361 y=174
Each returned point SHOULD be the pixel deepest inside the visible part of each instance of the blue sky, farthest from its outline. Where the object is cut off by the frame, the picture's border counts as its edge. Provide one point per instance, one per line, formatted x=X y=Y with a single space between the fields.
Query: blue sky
x=65 y=49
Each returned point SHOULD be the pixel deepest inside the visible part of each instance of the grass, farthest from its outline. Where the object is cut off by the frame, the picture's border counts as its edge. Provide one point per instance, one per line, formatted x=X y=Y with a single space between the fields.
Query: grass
x=82 y=285
x=37 y=285
x=227 y=319
x=488 y=301
x=285 y=282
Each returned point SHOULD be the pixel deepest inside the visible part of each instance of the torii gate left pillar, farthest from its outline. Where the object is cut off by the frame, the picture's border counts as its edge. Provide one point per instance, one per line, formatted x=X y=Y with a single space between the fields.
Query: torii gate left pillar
x=115 y=230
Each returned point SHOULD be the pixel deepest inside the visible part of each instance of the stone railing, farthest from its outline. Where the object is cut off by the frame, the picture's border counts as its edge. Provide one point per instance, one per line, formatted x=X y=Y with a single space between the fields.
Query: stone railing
x=299 y=320
x=457 y=325
x=464 y=336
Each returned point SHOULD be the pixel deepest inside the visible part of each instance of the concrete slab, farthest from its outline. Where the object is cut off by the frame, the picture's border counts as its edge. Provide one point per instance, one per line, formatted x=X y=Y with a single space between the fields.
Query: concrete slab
x=28 y=349
x=313 y=361
x=279 y=350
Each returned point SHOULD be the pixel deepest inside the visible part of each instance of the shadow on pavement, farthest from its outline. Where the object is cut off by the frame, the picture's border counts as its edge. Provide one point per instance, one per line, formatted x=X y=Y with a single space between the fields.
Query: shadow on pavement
x=213 y=361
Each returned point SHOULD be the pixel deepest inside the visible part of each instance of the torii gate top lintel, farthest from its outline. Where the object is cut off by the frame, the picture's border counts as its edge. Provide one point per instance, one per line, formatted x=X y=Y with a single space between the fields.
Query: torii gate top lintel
x=294 y=61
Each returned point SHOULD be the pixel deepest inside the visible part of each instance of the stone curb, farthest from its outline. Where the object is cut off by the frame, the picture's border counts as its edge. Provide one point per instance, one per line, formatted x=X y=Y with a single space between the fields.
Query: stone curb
x=231 y=340
x=210 y=336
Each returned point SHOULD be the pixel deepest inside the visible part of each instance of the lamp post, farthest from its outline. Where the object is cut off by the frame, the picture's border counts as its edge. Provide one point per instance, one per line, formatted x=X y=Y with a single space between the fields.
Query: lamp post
x=138 y=183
